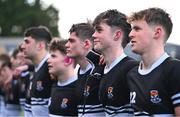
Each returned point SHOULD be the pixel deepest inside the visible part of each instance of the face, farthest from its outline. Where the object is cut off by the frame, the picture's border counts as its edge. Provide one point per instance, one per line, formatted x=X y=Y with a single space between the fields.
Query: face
x=29 y=47
x=18 y=60
x=141 y=37
x=56 y=63
x=103 y=37
x=75 y=46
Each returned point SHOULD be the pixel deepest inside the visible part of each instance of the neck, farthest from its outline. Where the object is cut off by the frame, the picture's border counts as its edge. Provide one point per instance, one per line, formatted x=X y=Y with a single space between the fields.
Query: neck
x=83 y=62
x=63 y=77
x=111 y=54
x=40 y=57
x=149 y=58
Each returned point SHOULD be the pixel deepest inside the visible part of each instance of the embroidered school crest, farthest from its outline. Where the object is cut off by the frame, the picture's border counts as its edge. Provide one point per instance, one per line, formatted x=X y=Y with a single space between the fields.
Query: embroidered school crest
x=155 y=96
x=39 y=86
x=64 y=103
x=86 y=91
x=110 y=92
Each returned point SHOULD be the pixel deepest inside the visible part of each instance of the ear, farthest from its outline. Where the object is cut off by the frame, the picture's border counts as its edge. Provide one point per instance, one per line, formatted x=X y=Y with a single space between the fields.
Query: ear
x=87 y=43
x=117 y=35
x=68 y=61
x=40 y=45
x=158 y=31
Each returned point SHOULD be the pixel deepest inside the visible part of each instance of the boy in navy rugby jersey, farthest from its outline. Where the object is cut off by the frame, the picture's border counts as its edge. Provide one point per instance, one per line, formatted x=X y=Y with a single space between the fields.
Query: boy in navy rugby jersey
x=63 y=100
x=80 y=43
x=35 y=47
x=110 y=37
x=155 y=84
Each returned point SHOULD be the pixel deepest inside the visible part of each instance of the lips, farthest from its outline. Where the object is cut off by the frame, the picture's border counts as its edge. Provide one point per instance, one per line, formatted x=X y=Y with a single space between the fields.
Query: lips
x=96 y=41
x=50 y=66
x=68 y=51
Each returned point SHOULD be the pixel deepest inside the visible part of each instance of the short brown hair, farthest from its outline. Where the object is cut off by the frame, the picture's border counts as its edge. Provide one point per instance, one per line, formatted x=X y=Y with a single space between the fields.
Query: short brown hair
x=154 y=16
x=58 y=45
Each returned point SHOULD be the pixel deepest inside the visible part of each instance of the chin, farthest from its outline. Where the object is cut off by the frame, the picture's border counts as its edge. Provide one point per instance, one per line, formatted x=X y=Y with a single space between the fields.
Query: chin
x=97 y=49
x=51 y=72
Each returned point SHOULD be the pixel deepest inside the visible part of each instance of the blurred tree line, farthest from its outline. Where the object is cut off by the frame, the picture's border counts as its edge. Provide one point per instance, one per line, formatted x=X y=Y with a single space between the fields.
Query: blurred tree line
x=17 y=15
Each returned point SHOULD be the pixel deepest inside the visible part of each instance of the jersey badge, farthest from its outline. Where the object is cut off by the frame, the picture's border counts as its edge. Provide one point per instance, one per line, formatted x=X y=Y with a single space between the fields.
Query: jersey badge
x=86 y=91
x=110 y=92
x=64 y=103
x=155 y=96
x=39 y=86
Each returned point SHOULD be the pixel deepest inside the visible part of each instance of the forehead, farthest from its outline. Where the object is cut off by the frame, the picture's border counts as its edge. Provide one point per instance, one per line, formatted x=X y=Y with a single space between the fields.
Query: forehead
x=102 y=26
x=28 y=39
x=138 y=23
x=56 y=52
x=73 y=37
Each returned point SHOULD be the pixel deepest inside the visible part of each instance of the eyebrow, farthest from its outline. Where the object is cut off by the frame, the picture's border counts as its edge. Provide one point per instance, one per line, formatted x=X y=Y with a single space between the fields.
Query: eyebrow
x=25 y=38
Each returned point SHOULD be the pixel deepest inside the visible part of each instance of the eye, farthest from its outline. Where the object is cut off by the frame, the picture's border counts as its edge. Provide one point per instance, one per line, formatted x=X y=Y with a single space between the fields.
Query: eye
x=98 y=29
x=53 y=56
x=136 y=28
x=27 y=41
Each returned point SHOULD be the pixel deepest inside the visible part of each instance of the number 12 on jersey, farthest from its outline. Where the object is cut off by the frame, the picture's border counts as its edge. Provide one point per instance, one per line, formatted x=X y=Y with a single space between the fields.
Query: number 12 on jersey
x=132 y=97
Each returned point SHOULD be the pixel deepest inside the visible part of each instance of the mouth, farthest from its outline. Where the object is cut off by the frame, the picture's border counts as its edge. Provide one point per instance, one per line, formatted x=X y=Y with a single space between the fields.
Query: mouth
x=132 y=42
x=50 y=66
x=95 y=42
x=68 y=51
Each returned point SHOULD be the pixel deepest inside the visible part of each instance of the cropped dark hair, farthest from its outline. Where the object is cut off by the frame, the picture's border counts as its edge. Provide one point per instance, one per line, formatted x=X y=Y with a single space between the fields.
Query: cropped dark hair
x=114 y=18
x=40 y=33
x=154 y=16
x=83 y=30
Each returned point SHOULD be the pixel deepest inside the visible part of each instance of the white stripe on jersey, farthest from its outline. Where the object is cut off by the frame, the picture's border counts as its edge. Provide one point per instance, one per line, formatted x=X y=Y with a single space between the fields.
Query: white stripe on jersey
x=175 y=96
x=126 y=110
x=39 y=101
x=90 y=106
x=90 y=110
x=22 y=101
x=27 y=107
x=142 y=114
x=176 y=99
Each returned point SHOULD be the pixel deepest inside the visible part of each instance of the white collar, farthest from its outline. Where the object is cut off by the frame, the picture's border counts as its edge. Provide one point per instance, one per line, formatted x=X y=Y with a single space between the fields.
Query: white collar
x=69 y=81
x=153 y=66
x=42 y=62
x=88 y=67
x=116 y=61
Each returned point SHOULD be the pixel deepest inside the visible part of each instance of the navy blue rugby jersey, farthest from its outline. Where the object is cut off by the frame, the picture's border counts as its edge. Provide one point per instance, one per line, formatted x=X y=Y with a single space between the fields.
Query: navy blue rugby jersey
x=41 y=86
x=88 y=86
x=158 y=92
x=63 y=101
x=114 y=91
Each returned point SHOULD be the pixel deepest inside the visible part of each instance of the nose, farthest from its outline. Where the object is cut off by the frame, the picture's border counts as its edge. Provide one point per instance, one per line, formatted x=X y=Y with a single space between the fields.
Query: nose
x=94 y=35
x=131 y=34
x=67 y=44
x=49 y=60
x=23 y=46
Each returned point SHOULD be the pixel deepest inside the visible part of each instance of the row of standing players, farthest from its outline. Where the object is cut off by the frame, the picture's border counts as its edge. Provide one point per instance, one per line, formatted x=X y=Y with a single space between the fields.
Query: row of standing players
x=118 y=88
